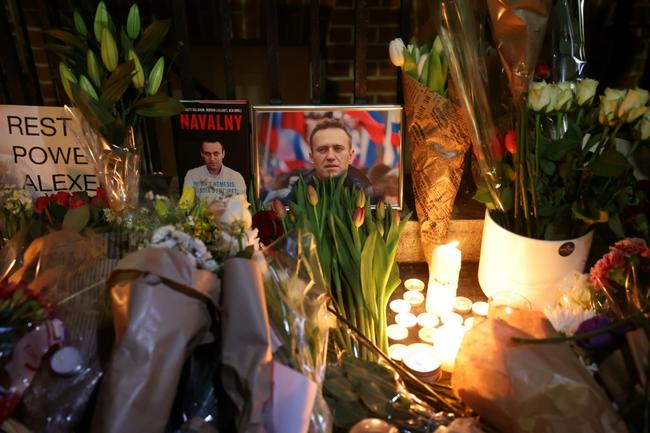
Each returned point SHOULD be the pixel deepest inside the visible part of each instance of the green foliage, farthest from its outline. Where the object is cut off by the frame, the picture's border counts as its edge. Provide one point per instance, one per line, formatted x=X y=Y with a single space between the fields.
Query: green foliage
x=121 y=88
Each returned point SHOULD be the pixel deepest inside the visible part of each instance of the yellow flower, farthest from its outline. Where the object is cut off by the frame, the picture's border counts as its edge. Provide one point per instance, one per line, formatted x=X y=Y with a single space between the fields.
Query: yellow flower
x=609 y=103
x=186 y=202
x=633 y=105
x=585 y=91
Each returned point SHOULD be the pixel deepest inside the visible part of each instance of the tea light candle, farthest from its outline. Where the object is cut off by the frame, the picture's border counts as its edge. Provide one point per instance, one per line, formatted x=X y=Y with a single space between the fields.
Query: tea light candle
x=452 y=319
x=407 y=320
x=414 y=297
x=440 y=297
x=462 y=305
x=397 y=332
x=447 y=341
x=446 y=261
x=423 y=360
x=428 y=320
x=399 y=306
x=469 y=323
x=480 y=308
x=396 y=351
x=414 y=284
x=428 y=335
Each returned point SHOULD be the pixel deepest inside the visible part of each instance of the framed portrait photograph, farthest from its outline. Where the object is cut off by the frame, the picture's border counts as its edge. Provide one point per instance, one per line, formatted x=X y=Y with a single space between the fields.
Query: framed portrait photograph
x=362 y=142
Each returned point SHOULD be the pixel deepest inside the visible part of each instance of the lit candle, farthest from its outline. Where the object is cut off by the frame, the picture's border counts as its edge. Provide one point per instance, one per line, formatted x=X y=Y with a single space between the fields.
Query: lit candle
x=480 y=308
x=451 y=319
x=414 y=284
x=428 y=320
x=414 y=297
x=423 y=360
x=447 y=341
x=407 y=320
x=469 y=323
x=443 y=278
x=462 y=305
x=428 y=335
x=397 y=332
x=396 y=351
x=399 y=306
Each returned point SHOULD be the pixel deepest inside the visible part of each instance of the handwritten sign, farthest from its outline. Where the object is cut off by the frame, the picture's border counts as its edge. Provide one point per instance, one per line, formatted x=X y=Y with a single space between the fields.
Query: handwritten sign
x=39 y=152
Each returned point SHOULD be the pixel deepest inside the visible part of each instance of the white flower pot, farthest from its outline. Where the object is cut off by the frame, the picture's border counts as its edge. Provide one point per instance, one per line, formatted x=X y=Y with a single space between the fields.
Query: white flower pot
x=530 y=267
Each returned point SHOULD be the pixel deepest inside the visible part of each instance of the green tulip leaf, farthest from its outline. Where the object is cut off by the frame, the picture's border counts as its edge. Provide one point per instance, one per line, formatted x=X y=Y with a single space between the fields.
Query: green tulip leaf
x=117 y=82
x=611 y=163
x=76 y=219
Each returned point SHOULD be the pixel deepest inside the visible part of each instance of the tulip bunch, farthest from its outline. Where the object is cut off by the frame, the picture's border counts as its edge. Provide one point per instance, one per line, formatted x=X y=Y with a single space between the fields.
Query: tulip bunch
x=356 y=250
x=114 y=84
x=426 y=64
x=563 y=170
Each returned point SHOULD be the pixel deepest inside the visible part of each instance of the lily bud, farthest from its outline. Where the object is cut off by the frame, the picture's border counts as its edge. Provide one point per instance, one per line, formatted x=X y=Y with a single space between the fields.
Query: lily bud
x=633 y=105
x=436 y=80
x=92 y=65
x=109 y=50
x=138 y=76
x=380 y=211
x=585 y=91
x=278 y=207
x=133 y=22
x=101 y=20
x=87 y=87
x=396 y=52
x=358 y=216
x=312 y=195
x=609 y=103
x=67 y=77
x=510 y=141
x=79 y=25
x=155 y=77
x=361 y=198
x=539 y=96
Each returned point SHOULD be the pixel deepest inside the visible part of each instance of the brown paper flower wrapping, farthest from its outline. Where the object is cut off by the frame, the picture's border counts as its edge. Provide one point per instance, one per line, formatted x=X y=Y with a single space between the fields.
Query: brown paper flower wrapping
x=161 y=312
x=529 y=387
x=246 y=372
x=438 y=139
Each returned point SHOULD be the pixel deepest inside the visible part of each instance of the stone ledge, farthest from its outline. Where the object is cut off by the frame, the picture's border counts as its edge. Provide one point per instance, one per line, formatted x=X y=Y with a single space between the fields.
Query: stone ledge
x=467 y=232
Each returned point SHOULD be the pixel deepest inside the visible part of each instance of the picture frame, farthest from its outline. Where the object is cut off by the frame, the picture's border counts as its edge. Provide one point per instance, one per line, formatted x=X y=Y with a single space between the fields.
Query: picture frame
x=281 y=151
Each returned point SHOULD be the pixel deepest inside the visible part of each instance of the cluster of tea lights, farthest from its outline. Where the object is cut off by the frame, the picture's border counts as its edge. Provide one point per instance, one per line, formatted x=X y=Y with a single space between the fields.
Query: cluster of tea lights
x=441 y=325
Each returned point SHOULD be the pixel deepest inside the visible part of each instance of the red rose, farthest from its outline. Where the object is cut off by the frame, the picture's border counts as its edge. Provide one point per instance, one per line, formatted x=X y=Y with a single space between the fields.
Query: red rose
x=76 y=202
x=100 y=198
x=542 y=71
x=268 y=225
x=511 y=141
x=62 y=198
x=41 y=203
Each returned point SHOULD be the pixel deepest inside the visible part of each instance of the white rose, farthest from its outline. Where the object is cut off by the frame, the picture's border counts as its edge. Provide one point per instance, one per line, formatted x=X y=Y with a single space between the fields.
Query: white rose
x=609 y=103
x=237 y=210
x=539 y=96
x=565 y=96
x=585 y=91
x=642 y=127
x=553 y=95
x=633 y=105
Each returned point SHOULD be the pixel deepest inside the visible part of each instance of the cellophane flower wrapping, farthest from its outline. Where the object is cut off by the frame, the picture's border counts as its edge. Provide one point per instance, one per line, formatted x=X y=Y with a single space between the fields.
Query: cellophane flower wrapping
x=296 y=300
x=68 y=272
x=117 y=165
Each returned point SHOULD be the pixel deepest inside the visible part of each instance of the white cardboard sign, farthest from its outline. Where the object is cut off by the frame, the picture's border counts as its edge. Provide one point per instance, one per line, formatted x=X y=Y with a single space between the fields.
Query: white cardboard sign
x=39 y=152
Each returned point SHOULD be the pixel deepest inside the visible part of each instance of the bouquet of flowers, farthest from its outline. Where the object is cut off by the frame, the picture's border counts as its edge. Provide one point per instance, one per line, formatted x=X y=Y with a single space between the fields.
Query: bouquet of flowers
x=17 y=208
x=74 y=211
x=549 y=162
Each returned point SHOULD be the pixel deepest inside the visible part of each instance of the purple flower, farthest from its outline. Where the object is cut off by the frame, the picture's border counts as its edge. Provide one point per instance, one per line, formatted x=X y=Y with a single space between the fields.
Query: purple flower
x=602 y=343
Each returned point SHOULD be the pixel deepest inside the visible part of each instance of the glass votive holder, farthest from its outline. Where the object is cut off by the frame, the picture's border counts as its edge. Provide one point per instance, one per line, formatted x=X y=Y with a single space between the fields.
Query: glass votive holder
x=423 y=361
x=451 y=319
x=480 y=308
x=502 y=304
x=373 y=425
x=428 y=320
x=399 y=306
x=396 y=351
x=407 y=320
x=414 y=284
x=462 y=305
x=397 y=332
x=428 y=335
x=414 y=297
